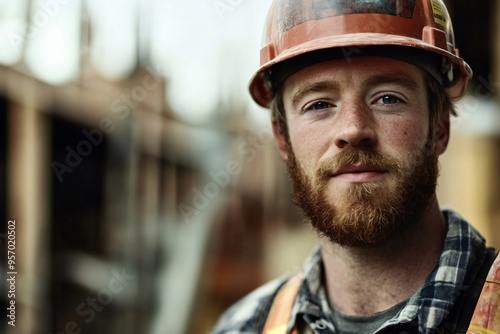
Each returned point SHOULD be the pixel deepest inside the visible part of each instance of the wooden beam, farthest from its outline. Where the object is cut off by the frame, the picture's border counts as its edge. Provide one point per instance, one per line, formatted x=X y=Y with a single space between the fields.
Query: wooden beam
x=28 y=204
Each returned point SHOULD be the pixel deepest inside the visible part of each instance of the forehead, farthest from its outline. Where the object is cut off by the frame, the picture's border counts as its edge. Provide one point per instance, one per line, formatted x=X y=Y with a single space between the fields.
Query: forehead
x=355 y=71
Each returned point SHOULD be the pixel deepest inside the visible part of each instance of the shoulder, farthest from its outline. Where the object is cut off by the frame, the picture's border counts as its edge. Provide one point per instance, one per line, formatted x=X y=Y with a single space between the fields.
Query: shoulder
x=249 y=314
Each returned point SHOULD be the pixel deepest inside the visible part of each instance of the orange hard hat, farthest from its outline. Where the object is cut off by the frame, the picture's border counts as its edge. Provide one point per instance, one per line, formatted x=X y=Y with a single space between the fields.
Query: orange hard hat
x=299 y=33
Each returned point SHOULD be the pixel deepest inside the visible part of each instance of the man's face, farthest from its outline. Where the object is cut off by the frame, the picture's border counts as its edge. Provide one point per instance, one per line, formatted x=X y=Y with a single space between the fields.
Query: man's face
x=360 y=155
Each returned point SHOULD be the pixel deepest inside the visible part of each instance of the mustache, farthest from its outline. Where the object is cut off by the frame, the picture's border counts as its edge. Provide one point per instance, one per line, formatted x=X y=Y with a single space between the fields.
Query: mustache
x=353 y=156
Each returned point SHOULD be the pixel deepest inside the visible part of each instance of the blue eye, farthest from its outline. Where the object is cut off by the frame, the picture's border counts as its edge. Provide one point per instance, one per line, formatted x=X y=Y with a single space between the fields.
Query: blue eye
x=320 y=105
x=389 y=99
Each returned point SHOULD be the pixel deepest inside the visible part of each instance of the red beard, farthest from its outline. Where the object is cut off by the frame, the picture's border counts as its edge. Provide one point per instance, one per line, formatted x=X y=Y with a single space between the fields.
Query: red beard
x=367 y=214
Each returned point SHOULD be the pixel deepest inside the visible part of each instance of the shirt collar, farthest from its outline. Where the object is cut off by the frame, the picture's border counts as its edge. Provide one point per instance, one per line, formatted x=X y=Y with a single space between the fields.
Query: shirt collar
x=463 y=252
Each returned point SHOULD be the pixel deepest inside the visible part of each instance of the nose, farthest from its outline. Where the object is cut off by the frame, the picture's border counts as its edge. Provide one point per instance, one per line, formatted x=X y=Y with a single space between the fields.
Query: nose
x=354 y=126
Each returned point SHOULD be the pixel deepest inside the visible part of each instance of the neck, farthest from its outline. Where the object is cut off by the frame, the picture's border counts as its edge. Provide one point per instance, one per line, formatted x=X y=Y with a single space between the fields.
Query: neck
x=363 y=281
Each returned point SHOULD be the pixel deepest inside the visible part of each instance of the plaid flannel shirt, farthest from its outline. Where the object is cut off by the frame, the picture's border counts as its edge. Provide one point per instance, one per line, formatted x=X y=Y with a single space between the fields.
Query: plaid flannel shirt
x=434 y=308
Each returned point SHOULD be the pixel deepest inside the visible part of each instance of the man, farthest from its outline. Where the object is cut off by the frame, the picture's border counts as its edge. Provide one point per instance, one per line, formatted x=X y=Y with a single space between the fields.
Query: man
x=361 y=95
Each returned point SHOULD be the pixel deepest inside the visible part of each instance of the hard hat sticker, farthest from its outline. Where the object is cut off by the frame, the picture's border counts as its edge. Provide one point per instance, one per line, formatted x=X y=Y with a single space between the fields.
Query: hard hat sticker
x=304 y=11
x=439 y=12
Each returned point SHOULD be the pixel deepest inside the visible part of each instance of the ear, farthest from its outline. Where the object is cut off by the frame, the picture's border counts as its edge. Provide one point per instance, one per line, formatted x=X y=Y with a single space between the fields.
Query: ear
x=442 y=135
x=280 y=140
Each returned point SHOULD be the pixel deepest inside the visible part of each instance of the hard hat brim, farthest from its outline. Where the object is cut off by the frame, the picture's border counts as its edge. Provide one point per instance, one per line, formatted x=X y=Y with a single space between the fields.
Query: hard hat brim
x=352 y=45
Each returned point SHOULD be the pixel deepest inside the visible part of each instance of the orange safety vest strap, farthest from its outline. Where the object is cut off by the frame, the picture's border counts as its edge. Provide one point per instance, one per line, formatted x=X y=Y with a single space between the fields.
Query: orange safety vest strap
x=279 y=315
x=486 y=317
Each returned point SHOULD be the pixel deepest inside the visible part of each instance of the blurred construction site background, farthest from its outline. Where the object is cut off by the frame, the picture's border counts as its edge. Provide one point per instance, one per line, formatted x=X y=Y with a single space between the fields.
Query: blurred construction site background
x=143 y=184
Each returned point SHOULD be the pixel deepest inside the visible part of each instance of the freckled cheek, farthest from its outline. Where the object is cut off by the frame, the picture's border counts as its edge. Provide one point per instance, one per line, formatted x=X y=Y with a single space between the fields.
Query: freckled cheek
x=407 y=136
x=307 y=145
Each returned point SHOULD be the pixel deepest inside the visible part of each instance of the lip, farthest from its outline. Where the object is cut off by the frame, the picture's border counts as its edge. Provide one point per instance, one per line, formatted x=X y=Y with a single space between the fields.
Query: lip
x=358 y=173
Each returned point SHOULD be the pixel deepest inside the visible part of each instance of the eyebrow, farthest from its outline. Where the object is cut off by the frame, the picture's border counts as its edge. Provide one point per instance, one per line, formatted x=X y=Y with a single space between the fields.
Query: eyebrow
x=312 y=88
x=401 y=80
x=375 y=80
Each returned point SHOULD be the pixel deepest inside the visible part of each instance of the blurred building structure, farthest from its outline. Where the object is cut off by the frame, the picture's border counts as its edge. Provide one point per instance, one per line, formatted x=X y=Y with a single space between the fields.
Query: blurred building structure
x=469 y=179
x=130 y=219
